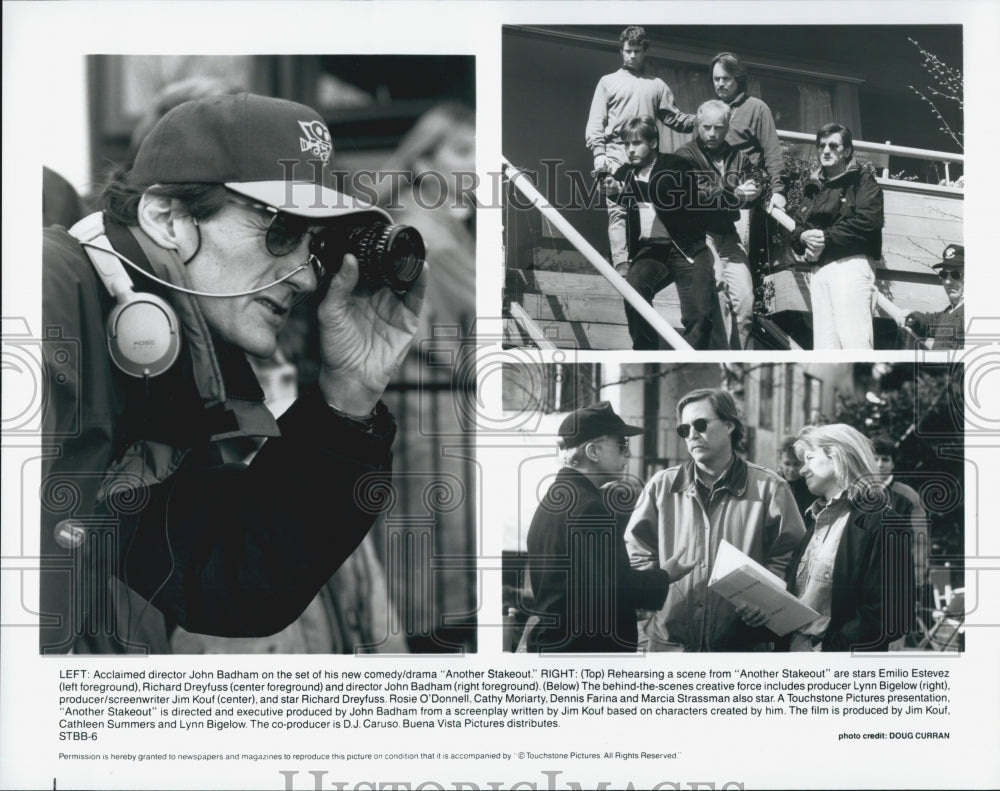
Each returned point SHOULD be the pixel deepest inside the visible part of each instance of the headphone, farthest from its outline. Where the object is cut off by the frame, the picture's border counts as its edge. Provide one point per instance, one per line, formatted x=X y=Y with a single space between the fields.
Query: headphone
x=143 y=331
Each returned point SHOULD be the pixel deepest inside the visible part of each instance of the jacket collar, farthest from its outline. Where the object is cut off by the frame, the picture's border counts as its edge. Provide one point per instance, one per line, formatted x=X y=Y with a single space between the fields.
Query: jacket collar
x=578 y=478
x=819 y=179
x=734 y=480
x=724 y=150
x=741 y=97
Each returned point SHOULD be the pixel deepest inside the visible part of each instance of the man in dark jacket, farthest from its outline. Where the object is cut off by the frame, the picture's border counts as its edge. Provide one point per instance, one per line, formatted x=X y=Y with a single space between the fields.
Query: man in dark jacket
x=143 y=525
x=666 y=235
x=946 y=328
x=839 y=232
x=585 y=594
x=725 y=186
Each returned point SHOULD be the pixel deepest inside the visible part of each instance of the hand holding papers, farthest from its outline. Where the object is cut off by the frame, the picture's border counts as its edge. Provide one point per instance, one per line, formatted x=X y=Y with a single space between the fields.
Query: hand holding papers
x=743 y=580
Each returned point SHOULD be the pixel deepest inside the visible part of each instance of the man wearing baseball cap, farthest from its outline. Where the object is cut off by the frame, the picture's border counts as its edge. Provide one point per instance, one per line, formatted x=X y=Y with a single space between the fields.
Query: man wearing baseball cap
x=946 y=328
x=200 y=252
x=585 y=595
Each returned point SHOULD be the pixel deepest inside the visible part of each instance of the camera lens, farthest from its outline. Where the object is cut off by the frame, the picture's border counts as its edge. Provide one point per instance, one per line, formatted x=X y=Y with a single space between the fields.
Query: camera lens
x=393 y=255
x=388 y=255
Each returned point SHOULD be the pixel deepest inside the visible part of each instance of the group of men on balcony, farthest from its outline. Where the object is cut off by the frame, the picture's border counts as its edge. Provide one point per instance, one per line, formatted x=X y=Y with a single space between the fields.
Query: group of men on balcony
x=686 y=217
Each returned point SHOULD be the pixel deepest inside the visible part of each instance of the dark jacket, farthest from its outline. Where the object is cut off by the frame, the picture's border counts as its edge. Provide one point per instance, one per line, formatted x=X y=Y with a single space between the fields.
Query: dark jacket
x=847 y=208
x=673 y=191
x=945 y=328
x=716 y=198
x=873 y=586
x=585 y=593
x=221 y=549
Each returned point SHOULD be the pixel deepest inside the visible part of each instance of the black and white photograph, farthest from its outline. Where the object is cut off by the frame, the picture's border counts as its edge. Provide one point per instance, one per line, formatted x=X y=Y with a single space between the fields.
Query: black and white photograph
x=255 y=426
x=499 y=395
x=736 y=507
x=759 y=186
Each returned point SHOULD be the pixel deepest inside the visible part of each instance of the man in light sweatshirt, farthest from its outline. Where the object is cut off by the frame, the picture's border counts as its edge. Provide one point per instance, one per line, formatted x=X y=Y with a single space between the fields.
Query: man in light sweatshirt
x=633 y=90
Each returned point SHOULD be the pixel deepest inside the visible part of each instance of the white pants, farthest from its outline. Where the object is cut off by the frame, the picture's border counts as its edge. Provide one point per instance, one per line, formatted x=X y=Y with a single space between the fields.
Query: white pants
x=617 y=214
x=732 y=270
x=843 y=295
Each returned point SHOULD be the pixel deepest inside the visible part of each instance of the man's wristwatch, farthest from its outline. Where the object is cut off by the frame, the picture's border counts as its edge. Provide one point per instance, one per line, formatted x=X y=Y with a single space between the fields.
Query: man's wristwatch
x=364 y=422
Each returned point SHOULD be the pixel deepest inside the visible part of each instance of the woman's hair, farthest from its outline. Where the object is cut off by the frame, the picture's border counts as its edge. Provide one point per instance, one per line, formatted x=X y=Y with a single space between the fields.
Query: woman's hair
x=423 y=140
x=643 y=125
x=852 y=455
x=733 y=65
x=834 y=128
x=120 y=199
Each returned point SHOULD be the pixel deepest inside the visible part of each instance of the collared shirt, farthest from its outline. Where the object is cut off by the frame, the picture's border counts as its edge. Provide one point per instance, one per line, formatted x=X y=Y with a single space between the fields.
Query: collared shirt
x=750 y=507
x=651 y=227
x=814 y=578
x=724 y=481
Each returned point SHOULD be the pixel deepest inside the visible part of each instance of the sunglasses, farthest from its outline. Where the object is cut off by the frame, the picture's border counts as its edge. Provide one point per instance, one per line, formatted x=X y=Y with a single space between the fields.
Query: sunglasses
x=831 y=146
x=699 y=424
x=285 y=232
x=951 y=274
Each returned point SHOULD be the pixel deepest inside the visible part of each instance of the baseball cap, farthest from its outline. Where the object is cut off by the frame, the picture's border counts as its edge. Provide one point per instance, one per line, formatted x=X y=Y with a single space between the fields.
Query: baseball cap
x=592 y=422
x=274 y=151
x=953 y=257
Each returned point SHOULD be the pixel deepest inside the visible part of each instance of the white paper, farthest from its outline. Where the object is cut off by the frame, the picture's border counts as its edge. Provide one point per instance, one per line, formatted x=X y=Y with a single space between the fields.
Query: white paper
x=742 y=580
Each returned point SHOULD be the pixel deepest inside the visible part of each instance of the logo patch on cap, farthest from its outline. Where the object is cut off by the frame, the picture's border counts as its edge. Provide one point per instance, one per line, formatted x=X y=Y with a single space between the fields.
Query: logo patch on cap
x=949 y=252
x=317 y=139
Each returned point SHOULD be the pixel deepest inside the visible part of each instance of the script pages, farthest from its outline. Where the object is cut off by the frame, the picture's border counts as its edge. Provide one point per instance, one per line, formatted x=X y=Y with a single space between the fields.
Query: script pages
x=742 y=580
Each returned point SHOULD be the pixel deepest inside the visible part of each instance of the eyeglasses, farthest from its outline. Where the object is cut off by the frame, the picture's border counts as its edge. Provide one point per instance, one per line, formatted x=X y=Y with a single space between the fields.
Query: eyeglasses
x=831 y=146
x=699 y=424
x=951 y=274
x=284 y=233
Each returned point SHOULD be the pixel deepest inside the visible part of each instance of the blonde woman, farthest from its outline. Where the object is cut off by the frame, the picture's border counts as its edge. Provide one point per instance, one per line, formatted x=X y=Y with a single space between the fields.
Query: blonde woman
x=853 y=567
x=428 y=183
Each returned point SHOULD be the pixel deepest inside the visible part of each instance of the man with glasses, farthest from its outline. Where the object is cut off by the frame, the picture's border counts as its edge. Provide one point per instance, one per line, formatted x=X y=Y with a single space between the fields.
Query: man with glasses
x=946 y=328
x=839 y=233
x=683 y=514
x=585 y=596
x=212 y=234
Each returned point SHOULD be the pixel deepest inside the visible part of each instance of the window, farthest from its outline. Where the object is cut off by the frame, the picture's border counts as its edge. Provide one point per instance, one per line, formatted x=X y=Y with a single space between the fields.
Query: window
x=797 y=105
x=787 y=423
x=765 y=412
x=553 y=387
x=812 y=398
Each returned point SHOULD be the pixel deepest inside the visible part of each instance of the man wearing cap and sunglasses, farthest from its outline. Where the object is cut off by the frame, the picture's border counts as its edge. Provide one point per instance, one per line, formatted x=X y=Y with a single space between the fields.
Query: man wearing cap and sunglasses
x=946 y=328
x=226 y=220
x=683 y=514
x=585 y=595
